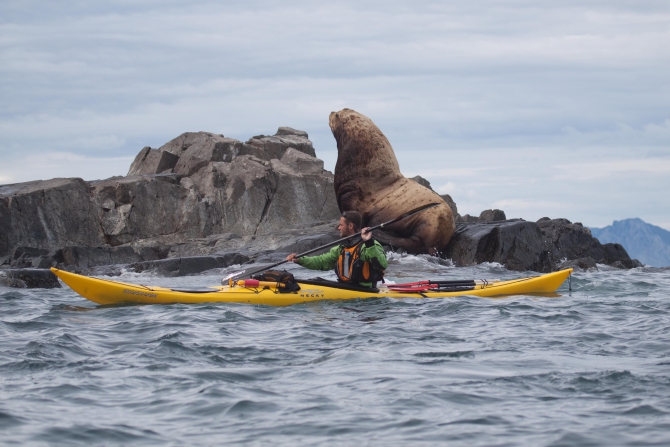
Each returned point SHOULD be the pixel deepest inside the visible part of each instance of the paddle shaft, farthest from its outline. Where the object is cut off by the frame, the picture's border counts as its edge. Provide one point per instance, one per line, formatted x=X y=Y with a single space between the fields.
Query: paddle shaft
x=425 y=286
x=346 y=238
x=456 y=282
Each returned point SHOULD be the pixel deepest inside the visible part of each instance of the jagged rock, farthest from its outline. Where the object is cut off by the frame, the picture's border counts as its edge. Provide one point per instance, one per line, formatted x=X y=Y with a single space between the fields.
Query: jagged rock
x=47 y=215
x=203 y=145
x=205 y=253
x=137 y=207
x=195 y=186
x=484 y=216
x=422 y=181
x=29 y=278
x=518 y=245
x=302 y=163
x=185 y=151
x=216 y=243
x=287 y=131
x=190 y=265
x=25 y=257
x=282 y=241
x=198 y=185
x=541 y=246
x=11 y=282
x=253 y=192
x=189 y=165
x=87 y=257
x=492 y=215
x=469 y=219
x=152 y=161
x=307 y=242
x=83 y=259
x=270 y=147
x=298 y=201
x=617 y=256
x=574 y=241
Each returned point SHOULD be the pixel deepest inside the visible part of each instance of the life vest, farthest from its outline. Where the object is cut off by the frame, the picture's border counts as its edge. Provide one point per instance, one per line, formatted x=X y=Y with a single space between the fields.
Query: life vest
x=350 y=268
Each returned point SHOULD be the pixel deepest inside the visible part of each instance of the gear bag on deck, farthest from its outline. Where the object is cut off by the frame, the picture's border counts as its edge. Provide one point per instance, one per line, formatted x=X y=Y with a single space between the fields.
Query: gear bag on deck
x=280 y=277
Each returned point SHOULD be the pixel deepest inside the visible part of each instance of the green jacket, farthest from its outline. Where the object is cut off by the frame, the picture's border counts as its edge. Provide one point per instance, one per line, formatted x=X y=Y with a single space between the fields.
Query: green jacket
x=370 y=250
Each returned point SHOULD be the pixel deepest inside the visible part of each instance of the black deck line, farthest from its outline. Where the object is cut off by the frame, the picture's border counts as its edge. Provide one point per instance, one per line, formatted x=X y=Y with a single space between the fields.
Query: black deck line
x=337 y=285
x=195 y=290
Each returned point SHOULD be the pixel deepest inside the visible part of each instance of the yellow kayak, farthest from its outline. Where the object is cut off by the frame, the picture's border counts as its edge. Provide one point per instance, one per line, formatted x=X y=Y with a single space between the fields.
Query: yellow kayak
x=104 y=291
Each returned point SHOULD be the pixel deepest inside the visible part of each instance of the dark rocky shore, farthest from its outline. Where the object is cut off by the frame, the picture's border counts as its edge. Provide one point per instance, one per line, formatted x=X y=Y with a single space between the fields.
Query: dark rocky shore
x=204 y=201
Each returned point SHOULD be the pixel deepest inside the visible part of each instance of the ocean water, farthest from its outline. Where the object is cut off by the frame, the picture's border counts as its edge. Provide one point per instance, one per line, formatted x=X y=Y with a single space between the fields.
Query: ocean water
x=587 y=367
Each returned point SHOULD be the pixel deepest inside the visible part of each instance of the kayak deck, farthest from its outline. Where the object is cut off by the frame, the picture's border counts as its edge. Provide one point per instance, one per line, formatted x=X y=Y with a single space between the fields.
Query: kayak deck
x=103 y=291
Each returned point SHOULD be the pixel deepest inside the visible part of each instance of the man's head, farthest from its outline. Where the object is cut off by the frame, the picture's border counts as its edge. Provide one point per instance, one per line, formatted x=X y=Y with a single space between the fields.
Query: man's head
x=351 y=223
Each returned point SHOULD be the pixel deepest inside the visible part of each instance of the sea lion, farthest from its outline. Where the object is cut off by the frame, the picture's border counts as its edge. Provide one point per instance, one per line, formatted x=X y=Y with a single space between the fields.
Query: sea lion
x=368 y=180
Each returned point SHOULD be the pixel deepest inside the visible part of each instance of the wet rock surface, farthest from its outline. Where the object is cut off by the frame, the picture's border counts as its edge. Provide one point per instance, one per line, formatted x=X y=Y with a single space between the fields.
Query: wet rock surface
x=516 y=244
x=181 y=259
x=29 y=279
x=47 y=215
x=492 y=216
x=542 y=246
x=190 y=265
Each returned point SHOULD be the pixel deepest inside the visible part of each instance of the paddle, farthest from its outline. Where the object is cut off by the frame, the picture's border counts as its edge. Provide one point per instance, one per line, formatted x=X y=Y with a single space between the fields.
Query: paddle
x=441 y=286
x=331 y=244
x=457 y=282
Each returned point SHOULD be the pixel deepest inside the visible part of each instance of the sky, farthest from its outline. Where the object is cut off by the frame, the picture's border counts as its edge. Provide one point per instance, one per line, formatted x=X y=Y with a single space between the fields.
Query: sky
x=538 y=108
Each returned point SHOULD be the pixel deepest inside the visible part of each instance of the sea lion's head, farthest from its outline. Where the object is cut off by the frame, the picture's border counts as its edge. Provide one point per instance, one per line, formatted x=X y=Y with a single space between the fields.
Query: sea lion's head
x=363 y=150
x=338 y=123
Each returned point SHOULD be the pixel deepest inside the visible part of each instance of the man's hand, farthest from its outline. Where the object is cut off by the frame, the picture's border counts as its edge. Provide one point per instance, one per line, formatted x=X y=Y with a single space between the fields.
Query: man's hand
x=292 y=258
x=366 y=234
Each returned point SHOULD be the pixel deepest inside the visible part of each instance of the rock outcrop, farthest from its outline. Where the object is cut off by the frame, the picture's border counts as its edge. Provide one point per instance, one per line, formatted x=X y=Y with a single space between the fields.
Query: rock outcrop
x=29 y=279
x=195 y=186
x=542 y=246
x=47 y=215
x=494 y=215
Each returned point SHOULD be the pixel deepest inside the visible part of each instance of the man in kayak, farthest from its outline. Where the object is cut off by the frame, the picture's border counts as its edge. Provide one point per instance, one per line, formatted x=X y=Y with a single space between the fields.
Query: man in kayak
x=359 y=262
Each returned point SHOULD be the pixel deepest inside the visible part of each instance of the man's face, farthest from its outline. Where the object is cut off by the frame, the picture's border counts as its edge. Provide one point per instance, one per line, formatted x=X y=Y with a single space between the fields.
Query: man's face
x=345 y=228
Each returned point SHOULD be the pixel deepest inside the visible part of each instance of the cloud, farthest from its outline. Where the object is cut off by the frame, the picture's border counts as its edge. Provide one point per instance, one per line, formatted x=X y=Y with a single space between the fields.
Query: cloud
x=493 y=101
x=62 y=164
x=618 y=169
x=521 y=205
x=447 y=188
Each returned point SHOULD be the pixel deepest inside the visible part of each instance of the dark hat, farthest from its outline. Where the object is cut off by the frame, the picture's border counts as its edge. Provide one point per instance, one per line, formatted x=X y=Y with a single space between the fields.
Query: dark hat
x=355 y=218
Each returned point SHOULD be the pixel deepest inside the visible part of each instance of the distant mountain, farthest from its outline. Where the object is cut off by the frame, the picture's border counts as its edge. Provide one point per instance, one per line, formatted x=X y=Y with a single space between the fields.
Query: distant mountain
x=648 y=243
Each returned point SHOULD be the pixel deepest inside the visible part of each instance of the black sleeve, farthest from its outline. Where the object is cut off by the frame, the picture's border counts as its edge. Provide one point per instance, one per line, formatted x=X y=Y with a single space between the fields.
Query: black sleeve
x=370 y=243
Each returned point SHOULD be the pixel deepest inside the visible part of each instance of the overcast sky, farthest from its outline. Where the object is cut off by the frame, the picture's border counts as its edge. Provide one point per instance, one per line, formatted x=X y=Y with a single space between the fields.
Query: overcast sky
x=539 y=108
